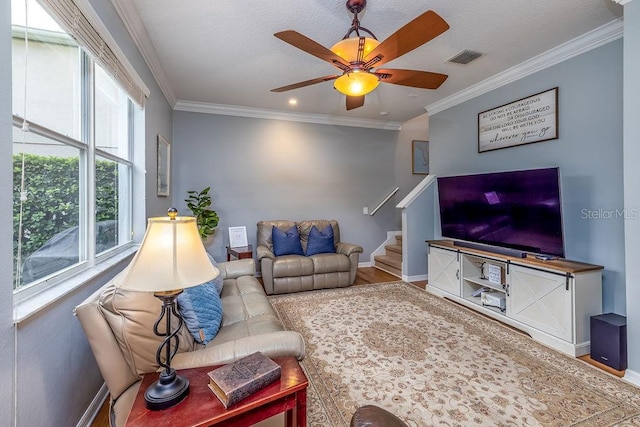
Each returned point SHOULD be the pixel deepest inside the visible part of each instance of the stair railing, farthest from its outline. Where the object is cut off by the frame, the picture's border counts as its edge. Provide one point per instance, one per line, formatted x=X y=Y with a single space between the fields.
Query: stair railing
x=385 y=200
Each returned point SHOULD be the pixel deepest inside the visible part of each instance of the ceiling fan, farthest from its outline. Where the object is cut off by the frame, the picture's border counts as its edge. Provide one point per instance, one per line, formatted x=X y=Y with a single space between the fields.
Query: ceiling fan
x=357 y=56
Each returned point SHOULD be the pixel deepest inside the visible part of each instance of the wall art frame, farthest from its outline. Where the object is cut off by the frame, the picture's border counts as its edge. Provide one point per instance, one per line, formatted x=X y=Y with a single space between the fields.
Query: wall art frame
x=419 y=157
x=164 y=167
x=524 y=121
x=238 y=237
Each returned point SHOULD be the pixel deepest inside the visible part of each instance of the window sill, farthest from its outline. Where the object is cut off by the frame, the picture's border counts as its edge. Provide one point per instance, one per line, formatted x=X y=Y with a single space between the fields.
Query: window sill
x=26 y=308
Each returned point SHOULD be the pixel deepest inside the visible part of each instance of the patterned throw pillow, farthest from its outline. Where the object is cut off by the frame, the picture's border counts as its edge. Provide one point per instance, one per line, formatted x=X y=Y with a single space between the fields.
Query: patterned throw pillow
x=201 y=309
x=320 y=242
x=286 y=242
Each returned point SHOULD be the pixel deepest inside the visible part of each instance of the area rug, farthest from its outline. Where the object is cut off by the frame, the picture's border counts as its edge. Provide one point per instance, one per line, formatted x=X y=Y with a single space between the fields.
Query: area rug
x=432 y=362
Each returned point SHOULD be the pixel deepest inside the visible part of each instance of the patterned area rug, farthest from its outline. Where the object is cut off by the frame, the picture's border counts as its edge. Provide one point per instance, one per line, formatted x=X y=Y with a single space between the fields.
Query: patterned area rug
x=434 y=363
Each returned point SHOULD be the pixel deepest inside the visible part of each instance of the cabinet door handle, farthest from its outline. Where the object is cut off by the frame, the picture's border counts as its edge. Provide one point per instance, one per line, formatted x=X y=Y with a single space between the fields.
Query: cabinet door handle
x=507 y=289
x=458 y=274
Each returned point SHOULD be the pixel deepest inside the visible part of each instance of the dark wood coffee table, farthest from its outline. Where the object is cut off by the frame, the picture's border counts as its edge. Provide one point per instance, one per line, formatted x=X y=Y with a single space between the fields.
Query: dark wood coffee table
x=202 y=407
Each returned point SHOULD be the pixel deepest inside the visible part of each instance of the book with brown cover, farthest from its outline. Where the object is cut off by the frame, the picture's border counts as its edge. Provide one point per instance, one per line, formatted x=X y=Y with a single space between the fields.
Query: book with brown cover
x=233 y=382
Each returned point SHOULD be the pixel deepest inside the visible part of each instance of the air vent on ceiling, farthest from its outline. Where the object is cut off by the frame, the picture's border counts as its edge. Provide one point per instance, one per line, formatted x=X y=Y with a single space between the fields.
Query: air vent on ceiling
x=465 y=57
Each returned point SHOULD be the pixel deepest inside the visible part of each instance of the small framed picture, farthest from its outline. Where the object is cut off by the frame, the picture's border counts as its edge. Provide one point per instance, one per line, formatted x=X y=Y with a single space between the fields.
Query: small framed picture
x=164 y=167
x=420 y=157
x=238 y=237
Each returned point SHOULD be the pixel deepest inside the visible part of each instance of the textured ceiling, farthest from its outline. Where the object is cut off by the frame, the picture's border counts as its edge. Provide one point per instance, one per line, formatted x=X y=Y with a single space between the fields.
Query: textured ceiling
x=223 y=53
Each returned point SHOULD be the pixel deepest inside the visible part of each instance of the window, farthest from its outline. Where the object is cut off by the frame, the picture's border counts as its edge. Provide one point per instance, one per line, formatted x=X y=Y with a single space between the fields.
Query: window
x=72 y=162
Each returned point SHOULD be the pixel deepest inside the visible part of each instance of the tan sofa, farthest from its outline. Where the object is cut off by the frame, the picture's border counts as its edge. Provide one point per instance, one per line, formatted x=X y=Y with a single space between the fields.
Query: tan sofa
x=295 y=273
x=119 y=327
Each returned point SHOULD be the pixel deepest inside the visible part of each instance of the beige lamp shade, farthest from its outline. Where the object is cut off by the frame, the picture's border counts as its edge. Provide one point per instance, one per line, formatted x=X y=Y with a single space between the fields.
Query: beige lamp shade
x=171 y=257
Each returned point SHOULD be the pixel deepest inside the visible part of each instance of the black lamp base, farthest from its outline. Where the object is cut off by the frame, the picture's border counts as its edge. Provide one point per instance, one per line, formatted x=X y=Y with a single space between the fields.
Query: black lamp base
x=169 y=390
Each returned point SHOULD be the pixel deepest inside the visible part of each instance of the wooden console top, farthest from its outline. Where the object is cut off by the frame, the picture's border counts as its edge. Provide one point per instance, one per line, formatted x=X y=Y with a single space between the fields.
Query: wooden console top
x=560 y=264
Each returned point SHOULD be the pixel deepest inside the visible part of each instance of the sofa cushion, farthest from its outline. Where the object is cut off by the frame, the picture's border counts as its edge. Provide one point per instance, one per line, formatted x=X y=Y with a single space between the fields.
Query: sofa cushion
x=330 y=263
x=286 y=242
x=320 y=241
x=131 y=316
x=292 y=266
x=201 y=310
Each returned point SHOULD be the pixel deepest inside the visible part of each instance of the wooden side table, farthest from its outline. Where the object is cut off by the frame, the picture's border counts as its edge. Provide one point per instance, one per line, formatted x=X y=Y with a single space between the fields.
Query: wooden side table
x=239 y=252
x=202 y=407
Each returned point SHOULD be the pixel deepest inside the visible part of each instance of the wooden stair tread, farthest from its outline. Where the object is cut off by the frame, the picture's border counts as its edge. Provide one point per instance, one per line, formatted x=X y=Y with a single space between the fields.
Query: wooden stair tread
x=394 y=248
x=390 y=261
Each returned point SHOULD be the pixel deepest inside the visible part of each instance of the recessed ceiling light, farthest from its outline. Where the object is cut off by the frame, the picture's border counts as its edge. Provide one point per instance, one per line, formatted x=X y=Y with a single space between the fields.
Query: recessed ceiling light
x=293 y=101
x=384 y=113
x=413 y=95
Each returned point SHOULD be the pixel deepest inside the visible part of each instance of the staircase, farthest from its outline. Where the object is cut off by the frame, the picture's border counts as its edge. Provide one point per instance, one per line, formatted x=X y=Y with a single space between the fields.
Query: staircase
x=391 y=261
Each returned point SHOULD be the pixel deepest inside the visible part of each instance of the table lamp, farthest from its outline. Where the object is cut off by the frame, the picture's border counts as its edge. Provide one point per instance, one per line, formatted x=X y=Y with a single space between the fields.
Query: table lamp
x=171 y=258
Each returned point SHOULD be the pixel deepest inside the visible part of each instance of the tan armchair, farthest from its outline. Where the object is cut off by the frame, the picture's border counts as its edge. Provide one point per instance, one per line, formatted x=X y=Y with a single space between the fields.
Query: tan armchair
x=119 y=327
x=295 y=273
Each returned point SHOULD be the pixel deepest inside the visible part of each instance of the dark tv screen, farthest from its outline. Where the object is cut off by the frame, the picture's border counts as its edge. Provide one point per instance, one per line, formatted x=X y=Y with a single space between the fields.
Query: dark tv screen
x=517 y=209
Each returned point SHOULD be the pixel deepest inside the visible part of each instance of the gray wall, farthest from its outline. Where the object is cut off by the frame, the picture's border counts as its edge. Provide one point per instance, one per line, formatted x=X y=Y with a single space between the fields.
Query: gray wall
x=632 y=176
x=6 y=227
x=417 y=128
x=588 y=152
x=261 y=169
x=57 y=376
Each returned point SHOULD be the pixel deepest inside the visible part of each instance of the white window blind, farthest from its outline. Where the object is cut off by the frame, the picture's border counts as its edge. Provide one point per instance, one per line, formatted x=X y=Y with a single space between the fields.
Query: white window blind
x=71 y=18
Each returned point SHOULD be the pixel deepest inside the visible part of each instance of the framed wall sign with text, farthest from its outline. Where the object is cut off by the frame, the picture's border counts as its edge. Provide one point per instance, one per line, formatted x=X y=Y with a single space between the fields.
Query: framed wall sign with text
x=527 y=120
x=238 y=237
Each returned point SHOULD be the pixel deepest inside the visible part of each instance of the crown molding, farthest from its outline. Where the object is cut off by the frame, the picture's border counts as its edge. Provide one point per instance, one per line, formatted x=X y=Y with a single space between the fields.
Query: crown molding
x=257 y=113
x=131 y=19
x=588 y=41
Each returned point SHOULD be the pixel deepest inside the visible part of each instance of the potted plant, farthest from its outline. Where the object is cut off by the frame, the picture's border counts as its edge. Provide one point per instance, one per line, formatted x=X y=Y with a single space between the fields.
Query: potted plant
x=207 y=219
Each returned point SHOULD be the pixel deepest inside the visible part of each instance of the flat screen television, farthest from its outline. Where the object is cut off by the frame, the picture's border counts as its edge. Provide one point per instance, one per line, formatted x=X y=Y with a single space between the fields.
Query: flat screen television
x=520 y=210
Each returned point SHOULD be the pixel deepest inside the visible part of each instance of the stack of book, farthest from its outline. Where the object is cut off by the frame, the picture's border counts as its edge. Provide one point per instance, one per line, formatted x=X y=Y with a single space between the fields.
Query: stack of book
x=233 y=382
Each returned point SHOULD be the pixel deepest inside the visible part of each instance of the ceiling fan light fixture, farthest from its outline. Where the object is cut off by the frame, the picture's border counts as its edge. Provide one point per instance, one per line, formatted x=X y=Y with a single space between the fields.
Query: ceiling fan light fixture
x=356 y=83
x=347 y=49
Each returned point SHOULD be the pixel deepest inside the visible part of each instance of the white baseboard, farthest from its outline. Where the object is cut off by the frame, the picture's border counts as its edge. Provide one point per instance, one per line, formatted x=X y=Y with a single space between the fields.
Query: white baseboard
x=417 y=278
x=632 y=376
x=364 y=264
x=95 y=406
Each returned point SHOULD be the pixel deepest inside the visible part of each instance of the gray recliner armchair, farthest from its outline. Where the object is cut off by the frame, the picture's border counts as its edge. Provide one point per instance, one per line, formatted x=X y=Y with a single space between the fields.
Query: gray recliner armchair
x=295 y=273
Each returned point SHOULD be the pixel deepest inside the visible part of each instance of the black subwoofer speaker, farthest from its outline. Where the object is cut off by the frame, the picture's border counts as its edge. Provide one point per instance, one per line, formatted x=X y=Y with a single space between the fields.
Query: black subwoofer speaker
x=609 y=340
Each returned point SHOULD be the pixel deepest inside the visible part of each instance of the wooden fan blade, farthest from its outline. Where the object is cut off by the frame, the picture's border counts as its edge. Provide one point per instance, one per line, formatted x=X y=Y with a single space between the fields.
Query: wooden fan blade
x=412 y=78
x=354 y=102
x=416 y=33
x=302 y=42
x=306 y=83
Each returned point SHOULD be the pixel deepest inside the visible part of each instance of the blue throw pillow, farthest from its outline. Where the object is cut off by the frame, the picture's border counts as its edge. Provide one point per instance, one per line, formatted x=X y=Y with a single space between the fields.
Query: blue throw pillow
x=218 y=282
x=286 y=242
x=201 y=309
x=320 y=242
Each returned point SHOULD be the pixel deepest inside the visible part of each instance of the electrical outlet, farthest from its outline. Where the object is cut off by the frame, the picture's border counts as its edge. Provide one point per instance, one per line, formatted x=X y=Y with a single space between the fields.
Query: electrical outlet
x=365 y=211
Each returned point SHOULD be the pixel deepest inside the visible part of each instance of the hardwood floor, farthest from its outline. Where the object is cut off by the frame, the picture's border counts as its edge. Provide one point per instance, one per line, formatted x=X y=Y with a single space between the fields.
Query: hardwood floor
x=365 y=275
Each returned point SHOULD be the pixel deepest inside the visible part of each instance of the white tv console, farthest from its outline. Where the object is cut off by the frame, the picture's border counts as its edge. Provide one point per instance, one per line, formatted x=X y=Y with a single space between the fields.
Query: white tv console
x=551 y=300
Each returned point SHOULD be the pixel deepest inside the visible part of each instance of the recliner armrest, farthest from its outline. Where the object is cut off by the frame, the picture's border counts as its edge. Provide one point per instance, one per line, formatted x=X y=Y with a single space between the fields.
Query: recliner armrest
x=272 y=344
x=236 y=268
x=264 y=252
x=348 y=248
